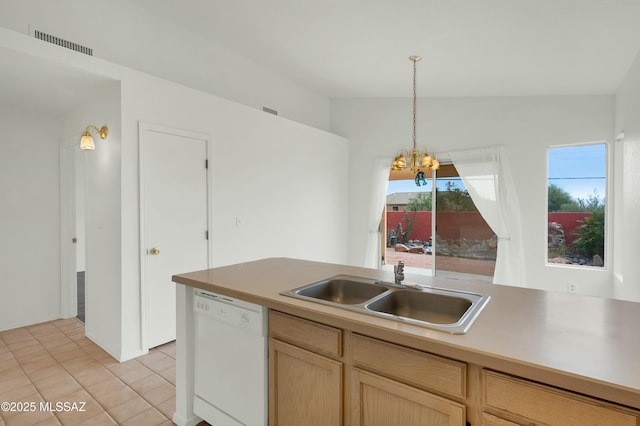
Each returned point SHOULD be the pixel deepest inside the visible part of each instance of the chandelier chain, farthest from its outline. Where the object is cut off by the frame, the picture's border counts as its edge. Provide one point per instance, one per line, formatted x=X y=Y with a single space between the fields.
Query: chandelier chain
x=417 y=159
x=414 y=103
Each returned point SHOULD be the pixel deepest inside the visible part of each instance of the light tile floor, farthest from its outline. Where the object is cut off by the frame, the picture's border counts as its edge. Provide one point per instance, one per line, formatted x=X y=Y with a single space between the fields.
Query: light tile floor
x=54 y=362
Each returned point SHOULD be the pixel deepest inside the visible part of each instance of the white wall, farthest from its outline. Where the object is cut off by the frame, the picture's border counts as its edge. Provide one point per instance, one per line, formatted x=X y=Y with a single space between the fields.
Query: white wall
x=288 y=193
x=102 y=204
x=627 y=167
x=263 y=167
x=284 y=180
x=379 y=128
x=274 y=174
x=123 y=33
x=29 y=216
x=267 y=171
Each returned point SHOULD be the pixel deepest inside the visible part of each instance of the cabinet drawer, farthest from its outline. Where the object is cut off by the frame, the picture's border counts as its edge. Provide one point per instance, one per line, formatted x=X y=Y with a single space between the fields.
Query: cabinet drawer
x=551 y=406
x=305 y=333
x=410 y=366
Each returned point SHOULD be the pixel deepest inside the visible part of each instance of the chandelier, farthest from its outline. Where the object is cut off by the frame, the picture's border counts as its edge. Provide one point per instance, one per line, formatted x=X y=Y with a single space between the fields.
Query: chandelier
x=418 y=158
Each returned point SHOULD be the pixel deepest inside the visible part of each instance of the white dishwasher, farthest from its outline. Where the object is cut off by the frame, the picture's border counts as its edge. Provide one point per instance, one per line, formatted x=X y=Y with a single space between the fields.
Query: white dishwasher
x=230 y=361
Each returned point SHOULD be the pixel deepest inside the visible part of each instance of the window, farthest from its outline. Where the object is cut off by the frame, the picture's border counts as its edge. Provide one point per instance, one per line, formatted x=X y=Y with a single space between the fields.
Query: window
x=576 y=190
x=464 y=245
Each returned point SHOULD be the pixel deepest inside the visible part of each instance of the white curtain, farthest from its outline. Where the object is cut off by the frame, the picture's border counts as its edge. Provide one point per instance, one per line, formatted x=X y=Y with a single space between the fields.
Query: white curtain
x=377 y=198
x=486 y=175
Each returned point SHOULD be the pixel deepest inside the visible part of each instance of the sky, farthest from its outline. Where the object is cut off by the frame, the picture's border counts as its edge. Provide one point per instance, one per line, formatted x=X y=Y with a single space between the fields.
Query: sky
x=579 y=170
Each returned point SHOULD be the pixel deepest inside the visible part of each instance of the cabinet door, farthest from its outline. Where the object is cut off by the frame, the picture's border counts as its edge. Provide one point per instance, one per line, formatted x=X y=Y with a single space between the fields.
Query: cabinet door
x=378 y=401
x=304 y=388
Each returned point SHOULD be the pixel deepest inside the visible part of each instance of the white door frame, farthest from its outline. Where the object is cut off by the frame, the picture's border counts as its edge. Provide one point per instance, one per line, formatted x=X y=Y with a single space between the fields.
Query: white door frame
x=142 y=128
x=68 y=273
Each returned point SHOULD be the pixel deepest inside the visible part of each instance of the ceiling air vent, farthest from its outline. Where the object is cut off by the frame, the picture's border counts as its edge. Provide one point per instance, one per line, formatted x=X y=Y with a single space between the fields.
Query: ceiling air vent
x=61 y=42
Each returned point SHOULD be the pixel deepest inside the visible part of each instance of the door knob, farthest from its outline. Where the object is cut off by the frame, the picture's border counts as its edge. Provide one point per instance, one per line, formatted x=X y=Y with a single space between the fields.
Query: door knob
x=154 y=251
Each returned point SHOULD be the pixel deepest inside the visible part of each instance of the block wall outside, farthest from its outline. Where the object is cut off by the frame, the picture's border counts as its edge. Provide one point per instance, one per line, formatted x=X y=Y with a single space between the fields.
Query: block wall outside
x=470 y=225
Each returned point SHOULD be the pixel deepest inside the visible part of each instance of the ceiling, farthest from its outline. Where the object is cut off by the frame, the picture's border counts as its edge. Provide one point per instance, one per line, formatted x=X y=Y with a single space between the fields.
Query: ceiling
x=360 y=48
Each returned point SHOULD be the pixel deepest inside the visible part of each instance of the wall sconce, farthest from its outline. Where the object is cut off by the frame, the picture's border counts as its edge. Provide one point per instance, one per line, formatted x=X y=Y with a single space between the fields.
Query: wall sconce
x=86 y=141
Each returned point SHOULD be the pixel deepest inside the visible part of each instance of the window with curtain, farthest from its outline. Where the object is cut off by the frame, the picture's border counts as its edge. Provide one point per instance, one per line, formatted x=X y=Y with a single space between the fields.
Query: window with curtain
x=463 y=246
x=486 y=179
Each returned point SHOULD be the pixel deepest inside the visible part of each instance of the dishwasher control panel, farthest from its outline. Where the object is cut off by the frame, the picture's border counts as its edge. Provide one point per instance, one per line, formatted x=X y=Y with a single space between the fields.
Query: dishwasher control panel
x=239 y=313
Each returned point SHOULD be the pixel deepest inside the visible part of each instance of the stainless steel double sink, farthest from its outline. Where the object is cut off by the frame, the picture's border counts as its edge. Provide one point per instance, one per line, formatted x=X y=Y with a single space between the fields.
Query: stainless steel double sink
x=441 y=309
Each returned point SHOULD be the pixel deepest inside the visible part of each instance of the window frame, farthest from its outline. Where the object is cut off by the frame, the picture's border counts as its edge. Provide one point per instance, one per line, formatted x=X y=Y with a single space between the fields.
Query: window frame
x=608 y=208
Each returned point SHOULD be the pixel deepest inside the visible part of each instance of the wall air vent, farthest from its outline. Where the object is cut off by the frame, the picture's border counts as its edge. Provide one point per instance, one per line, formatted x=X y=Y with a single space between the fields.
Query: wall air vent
x=61 y=42
x=269 y=110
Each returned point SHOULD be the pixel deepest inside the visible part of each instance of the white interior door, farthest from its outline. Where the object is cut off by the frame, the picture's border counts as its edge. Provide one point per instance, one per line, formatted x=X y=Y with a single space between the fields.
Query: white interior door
x=174 y=222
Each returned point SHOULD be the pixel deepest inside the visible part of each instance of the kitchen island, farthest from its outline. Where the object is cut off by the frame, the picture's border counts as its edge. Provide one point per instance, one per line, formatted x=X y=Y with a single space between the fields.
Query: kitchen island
x=531 y=357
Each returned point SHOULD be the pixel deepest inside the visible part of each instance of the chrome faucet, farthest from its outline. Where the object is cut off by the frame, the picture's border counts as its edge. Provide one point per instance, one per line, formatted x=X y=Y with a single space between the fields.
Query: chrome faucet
x=398 y=272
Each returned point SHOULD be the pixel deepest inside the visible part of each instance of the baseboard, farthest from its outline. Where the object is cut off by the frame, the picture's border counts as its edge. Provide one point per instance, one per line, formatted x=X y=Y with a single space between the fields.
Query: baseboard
x=26 y=323
x=183 y=421
x=130 y=355
x=115 y=354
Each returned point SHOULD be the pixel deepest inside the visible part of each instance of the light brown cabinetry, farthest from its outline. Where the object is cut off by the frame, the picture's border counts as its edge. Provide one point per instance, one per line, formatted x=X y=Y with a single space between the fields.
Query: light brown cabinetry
x=323 y=375
x=305 y=372
x=529 y=403
x=307 y=334
x=417 y=368
x=489 y=420
x=312 y=381
x=305 y=388
x=401 y=390
x=379 y=401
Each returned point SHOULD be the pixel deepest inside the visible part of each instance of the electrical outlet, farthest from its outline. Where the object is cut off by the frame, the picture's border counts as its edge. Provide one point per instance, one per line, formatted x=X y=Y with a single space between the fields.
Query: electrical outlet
x=572 y=287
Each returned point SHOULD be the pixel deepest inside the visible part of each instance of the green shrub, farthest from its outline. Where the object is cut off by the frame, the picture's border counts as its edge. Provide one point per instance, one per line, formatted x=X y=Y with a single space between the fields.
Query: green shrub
x=590 y=235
